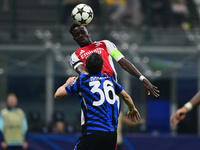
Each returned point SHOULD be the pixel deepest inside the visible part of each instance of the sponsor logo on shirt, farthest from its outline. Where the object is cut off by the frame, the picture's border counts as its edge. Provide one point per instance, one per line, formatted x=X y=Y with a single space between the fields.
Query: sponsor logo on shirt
x=86 y=54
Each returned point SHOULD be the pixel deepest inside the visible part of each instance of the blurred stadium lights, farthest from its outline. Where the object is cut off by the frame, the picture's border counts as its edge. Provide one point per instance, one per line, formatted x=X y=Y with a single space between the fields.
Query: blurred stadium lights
x=22 y=63
x=57 y=45
x=5 y=6
x=198 y=47
x=134 y=46
x=125 y=36
x=136 y=59
x=48 y=44
x=146 y=60
x=115 y=35
x=125 y=46
x=47 y=34
x=122 y=38
x=122 y=35
x=46 y=37
x=194 y=35
x=58 y=58
x=39 y=34
x=143 y=63
x=1 y=70
x=190 y=37
x=158 y=73
x=148 y=73
x=139 y=54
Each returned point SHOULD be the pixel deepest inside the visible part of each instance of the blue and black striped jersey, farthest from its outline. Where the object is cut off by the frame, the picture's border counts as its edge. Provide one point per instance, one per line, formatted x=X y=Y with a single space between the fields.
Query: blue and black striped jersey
x=98 y=102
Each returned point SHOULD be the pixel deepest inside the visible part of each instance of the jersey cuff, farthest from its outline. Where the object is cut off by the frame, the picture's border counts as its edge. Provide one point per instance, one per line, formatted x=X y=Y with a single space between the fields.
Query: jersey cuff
x=68 y=91
x=120 y=57
x=76 y=65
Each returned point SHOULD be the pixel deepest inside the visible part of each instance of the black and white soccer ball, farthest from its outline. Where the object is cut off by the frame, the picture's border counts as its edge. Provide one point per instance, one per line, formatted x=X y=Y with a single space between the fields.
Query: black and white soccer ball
x=82 y=14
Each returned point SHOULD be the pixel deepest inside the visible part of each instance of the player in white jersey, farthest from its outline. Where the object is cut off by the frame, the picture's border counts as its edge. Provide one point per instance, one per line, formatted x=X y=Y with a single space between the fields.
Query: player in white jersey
x=108 y=51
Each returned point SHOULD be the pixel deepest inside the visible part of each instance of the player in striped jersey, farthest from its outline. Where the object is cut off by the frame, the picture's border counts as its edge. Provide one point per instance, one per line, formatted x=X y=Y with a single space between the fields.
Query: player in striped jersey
x=97 y=99
x=108 y=51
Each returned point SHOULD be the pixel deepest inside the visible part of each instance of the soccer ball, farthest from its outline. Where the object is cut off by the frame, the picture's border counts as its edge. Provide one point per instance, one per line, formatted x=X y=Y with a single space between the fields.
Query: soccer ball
x=82 y=14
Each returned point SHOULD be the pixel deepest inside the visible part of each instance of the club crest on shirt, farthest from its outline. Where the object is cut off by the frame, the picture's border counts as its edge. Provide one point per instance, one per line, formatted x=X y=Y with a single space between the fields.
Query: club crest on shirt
x=71 y=61
x=98 y=44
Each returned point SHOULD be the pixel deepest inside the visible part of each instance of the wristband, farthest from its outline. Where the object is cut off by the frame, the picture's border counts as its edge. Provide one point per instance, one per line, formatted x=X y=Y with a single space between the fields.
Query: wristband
x=141 y=78
x=189 y=106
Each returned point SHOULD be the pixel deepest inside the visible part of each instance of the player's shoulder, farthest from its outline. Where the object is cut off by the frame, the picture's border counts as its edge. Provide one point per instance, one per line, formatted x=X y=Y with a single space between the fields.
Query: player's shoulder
x=109 y=44
x=77 y=53
x=4 y=110
x=106 y=41
x=20 y=110
x=83 y=75
x=109 y=77
x=102 y=42
x=78 y=50
x=105 y=76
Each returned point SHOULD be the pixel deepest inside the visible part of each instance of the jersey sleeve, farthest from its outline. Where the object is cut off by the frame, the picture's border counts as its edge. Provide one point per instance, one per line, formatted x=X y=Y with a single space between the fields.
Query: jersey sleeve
x=113 y=51
x=118 y=87
x=25 y=124
x=72 y=88
x=75 y=61
x=1 y=123
x=1 y=128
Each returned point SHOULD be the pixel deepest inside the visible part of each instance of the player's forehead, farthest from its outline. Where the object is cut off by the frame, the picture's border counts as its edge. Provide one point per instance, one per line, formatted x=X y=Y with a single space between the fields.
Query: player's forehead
x=79 y=28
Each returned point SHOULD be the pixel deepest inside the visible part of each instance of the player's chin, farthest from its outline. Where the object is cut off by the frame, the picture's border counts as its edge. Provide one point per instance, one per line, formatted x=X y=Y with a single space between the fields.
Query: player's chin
x=82 y=43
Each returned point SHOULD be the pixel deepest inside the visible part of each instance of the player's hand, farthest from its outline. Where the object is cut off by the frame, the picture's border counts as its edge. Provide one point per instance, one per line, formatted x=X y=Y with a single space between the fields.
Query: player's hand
x=134 y=115
x=151 y=89
x=4 y=145
x=71 y=80
x=178 y=116
x=25 y=145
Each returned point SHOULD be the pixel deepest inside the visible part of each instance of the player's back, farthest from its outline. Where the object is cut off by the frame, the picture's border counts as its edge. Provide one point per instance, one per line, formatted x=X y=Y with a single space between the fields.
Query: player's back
x=98 y=102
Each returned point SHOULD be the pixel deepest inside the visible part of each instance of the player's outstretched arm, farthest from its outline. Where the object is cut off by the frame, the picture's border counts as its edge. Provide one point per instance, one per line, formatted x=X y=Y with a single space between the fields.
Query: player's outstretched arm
x=182 y=112
x=129 y=67
x=133 y=112
x=61 y=92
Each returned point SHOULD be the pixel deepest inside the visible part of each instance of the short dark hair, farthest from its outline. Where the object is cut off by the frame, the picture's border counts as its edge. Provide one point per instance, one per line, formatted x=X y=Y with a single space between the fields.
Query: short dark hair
x=94 y=63
x=73 y=26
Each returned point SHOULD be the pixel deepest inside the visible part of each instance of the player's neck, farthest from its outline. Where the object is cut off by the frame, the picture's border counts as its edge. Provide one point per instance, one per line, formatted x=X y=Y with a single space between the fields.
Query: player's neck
x=89 y=43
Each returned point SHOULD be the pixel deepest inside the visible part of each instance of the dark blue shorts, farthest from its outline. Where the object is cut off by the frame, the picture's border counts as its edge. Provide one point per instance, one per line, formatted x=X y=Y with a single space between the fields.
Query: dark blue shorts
x=97 y=141
x=14 y=148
